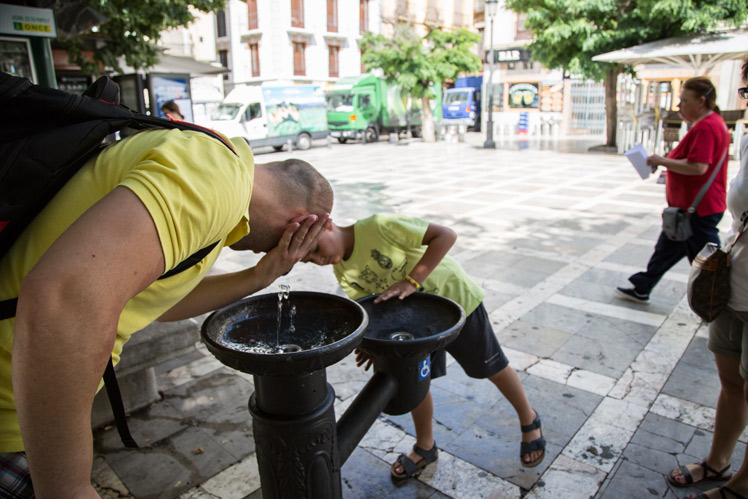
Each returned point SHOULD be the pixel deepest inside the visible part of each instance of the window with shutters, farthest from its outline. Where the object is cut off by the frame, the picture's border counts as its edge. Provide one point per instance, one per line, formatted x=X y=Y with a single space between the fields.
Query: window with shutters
x=254 y=49
x=221 y=23
x=297 y=13
x=253 y=21
x=332 y=16
x=363 y=7
x=299 y=62
x=334 y=59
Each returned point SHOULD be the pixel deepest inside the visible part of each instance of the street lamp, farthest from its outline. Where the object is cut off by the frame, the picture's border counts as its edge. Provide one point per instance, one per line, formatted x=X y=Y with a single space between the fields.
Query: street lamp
x=491 y=6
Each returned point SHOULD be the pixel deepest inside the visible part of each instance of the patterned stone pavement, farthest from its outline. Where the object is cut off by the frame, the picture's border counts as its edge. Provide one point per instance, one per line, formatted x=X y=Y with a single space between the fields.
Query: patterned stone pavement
x=626 y=391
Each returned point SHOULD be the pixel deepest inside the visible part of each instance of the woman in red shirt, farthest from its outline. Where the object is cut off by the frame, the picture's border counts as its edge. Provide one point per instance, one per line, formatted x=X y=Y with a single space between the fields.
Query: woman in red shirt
x=688 y=168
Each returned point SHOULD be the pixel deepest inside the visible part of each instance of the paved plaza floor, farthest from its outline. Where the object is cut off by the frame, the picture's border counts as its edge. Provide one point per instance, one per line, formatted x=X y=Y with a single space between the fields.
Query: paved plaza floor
x=626 y=391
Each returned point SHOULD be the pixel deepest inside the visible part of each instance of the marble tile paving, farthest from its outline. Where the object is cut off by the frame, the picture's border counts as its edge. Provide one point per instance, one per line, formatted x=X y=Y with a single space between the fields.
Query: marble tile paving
x=549 y=236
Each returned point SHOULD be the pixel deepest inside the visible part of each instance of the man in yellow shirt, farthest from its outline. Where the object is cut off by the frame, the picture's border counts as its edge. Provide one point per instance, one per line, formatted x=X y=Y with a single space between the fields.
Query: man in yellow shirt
x=86 y=271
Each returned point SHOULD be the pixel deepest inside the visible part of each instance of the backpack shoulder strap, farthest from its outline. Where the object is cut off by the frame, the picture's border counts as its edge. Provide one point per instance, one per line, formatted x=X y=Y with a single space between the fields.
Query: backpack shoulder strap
x=104 y=89
x=118 y=407
x=190 y=261
x=144 y=121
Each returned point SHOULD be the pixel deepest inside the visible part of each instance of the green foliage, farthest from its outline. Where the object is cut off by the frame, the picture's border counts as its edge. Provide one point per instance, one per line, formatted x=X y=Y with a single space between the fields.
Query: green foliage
x=416 y=63
x=132 y=30
x=568 y=33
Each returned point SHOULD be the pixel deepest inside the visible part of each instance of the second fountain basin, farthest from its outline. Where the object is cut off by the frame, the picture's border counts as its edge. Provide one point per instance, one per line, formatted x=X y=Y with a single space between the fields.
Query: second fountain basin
x=410 y=328
x=401 y=336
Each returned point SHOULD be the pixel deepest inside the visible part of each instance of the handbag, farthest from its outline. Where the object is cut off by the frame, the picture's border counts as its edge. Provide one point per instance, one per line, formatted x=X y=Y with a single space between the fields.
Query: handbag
x=676 y=223
x=709 y=280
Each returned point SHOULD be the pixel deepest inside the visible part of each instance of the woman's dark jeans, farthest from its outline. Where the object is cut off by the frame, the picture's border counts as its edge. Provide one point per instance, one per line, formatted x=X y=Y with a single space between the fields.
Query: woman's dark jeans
x=667 y=253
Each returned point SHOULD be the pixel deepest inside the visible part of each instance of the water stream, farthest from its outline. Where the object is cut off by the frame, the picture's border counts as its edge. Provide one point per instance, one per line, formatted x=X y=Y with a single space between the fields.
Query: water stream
x=282 y=296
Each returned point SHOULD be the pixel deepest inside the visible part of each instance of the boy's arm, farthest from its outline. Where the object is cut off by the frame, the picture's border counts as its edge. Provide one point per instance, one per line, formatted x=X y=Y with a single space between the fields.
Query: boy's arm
x=217 y=291
x=438 y=240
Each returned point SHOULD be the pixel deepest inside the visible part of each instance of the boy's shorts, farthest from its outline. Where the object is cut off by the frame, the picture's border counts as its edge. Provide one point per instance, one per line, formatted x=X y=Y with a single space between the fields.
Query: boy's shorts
x=475 y=349
x=728 y=336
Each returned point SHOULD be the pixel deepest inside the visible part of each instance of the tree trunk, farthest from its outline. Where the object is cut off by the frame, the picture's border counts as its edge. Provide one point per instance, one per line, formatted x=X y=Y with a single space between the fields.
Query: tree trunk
x=427 y=121
x=611 y=106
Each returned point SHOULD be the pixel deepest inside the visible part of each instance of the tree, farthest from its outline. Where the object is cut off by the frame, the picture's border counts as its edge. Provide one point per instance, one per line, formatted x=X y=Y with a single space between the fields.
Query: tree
x=568 y=33
x=416 y=63
x=130 y=29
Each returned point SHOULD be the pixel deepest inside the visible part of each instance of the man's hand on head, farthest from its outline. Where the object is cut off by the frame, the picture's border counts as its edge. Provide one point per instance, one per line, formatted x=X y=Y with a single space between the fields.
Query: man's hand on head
x=298 y=239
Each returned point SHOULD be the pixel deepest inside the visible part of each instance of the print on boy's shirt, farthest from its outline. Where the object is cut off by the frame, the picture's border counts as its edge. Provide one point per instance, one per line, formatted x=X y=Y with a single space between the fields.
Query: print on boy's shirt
x=383 y=260
x=368 y=276
x=374 y=283
x=398 y=273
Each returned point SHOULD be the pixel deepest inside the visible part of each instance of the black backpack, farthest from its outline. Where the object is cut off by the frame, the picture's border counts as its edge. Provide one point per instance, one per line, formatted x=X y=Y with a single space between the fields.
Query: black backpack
x=46 y=135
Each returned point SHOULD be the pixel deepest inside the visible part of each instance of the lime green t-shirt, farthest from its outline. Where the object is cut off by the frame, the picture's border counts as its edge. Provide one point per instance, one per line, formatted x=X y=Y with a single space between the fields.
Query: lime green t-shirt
x=386 y=248
x=196 y=190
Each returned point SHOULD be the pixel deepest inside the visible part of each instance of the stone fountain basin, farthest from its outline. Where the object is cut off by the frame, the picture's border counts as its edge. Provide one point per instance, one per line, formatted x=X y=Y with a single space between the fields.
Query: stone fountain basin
x=432 y=321
x=328 y=328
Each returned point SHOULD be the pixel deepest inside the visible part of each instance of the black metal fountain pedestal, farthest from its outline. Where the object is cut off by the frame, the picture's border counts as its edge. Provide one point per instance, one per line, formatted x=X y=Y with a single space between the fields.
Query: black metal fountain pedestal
x=299 y=446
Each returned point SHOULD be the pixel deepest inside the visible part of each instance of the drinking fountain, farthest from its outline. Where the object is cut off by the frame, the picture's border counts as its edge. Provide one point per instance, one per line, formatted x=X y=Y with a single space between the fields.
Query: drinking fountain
x=299 y=446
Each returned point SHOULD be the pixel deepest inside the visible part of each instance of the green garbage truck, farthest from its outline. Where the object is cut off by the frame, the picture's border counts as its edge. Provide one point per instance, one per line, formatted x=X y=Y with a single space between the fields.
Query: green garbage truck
x=366 y=106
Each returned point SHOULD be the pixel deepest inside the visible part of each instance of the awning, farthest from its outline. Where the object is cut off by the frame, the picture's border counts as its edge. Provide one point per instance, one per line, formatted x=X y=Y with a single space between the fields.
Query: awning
x=699 y=52
x=176 y=64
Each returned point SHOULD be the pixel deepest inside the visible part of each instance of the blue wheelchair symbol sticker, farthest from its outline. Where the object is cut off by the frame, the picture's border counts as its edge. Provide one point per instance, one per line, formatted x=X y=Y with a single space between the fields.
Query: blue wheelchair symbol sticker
x=424 y=369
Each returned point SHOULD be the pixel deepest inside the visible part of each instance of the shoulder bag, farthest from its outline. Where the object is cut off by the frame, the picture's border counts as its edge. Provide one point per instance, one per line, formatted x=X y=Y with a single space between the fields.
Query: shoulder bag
x=709 y=281
x=676 y=223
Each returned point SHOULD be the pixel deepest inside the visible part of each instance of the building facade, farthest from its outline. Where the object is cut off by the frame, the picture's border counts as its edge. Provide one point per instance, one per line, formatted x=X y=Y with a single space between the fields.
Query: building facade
x=300 y=41
x=527 y=97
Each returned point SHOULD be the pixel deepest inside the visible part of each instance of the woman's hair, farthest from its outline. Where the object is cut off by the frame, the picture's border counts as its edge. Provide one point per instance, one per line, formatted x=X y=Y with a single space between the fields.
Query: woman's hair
x=745 y=71
x=703 y=87
x=172 y=106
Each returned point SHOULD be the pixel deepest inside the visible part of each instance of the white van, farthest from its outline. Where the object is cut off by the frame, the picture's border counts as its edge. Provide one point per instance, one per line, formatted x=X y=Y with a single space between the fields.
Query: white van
x=271 y=115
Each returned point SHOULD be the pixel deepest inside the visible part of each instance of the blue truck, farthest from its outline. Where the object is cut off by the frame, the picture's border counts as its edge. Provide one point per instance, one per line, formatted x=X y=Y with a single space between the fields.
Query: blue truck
x=461 y=105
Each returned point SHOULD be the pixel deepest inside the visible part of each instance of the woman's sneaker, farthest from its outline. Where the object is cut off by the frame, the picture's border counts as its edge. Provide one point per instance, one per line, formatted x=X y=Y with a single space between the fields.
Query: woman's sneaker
x=632 y=295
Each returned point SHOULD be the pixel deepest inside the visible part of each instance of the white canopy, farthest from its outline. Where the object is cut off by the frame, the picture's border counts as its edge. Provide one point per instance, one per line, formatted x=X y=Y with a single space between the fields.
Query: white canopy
x=700 y=52
x=177 y=64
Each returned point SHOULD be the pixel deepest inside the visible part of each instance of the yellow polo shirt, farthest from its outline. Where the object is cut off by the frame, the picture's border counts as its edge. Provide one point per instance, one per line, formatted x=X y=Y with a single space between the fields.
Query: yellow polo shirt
x=197 y=192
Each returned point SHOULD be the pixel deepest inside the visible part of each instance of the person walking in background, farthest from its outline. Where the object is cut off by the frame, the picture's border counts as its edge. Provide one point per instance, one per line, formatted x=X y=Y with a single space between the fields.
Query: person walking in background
x=728 y=340
x=171 y=110
x=396 y=256
x=688 y=168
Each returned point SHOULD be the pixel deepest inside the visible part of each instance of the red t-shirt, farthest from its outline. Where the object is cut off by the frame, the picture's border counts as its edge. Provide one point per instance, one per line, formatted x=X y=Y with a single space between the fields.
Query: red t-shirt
x=705 y=142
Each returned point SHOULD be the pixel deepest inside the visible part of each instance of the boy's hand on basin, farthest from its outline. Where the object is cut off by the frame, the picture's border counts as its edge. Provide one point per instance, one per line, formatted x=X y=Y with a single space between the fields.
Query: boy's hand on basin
x=363 y=357
x=401 y=289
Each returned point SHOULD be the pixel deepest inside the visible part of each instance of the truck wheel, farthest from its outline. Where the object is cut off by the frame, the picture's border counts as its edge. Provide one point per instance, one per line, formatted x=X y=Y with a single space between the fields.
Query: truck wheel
x=371 y=134
x=342 y=140
x=303 y=142
x=278 y=148
x=415 y=132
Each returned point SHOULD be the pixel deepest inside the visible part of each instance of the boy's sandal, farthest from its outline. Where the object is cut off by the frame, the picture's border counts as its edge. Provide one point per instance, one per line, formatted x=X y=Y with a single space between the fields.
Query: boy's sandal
x=723 y=491
x=411 y=468
x=537 y=444
x=717 y=476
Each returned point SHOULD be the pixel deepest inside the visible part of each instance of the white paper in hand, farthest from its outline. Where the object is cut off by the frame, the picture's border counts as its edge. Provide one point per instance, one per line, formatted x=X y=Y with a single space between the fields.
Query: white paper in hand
x=638 y=157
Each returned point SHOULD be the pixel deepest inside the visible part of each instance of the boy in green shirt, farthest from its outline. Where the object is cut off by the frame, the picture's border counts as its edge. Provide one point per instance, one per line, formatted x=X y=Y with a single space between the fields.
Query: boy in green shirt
x=395 y=256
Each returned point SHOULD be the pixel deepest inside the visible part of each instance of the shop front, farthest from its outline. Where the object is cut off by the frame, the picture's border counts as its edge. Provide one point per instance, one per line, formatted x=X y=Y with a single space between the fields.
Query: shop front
x=25 y=50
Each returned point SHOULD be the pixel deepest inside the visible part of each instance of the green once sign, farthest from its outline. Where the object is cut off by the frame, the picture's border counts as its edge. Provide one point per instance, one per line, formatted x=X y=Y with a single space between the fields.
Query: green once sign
x=27 y=21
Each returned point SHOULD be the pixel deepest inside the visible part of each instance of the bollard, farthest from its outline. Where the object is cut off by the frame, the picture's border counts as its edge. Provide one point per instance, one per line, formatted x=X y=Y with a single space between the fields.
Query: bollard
x=289 y=145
